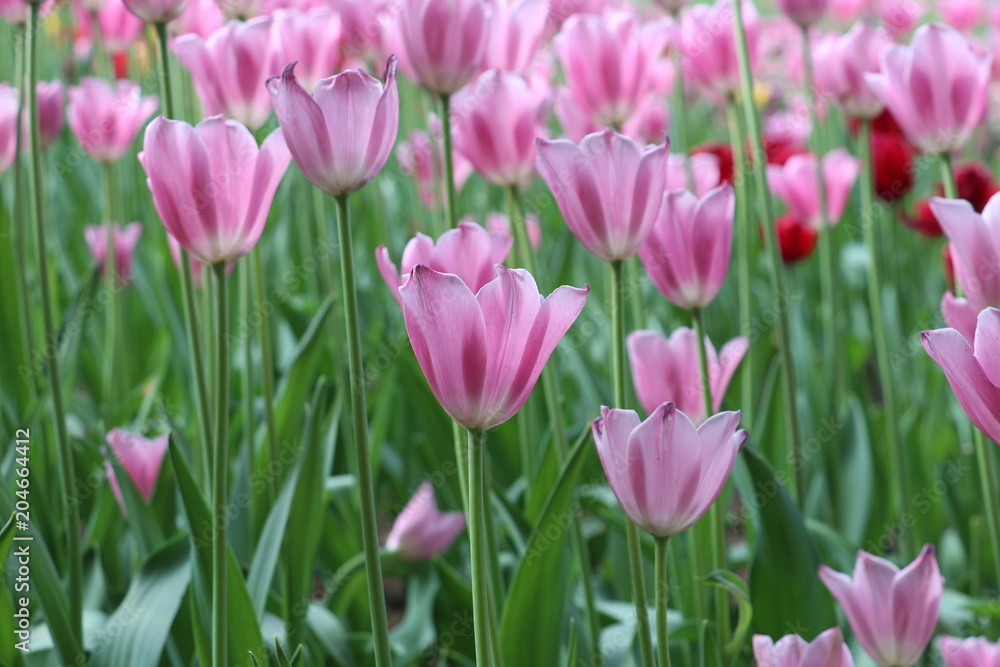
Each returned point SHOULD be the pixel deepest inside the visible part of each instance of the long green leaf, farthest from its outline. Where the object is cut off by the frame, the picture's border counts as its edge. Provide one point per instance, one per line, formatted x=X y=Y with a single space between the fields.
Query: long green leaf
x=739 y=590
x=265 y=559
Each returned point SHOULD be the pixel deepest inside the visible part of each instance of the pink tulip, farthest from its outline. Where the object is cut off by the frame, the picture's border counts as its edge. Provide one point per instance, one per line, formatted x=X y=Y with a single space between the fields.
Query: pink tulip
x=241 y=9
x=420 y=531
x=311 y=40
x=892 y=612
x=935 y=88
x=119 y=26
x=8 y=125
x=125 y=239
x=468 y=251
x=500 y=223
x=200 y=17
x=803 y=13
x=975 y=244
x=515 y=30
x=972 y=369
x=667 y=370
x=647 y=124
x=972 y=652
x=843 y=62
x=443 y=41
x=672 y=6
x=796 y=184
x=827 y=650
x=687 y=252
x=105 y=117
x=704 y=170
x=342 y=134
x=14 y=12
x=709 y=46
x=963 y=15
x=211 y=184
x=898 y=16
x=608 y=189
x=230 y=67
x=501 y=146
x=482 y=353
x=665 y=472
x=140 y=457
x=417 y=158
x=156 y=11
x=50 y=112
x=608 y=62
x=363 y=24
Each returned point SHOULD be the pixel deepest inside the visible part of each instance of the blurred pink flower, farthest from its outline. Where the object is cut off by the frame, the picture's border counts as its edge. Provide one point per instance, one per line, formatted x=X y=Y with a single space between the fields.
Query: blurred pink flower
x=200 y=17
x=704 y=169
x=500 y=223
x=140 y=457
x=971 y=652
x=827 y=650
x=105 y=117
x=51 y=111
x=156 y=11
x=443 y=41
x=803 y=12
x=796 y=184
x=8 y=125
x=420 y=531
x=310 y=39
x=125 y=239
x=842 y=64
x=515 y=31
x=709 y=46
x=963 y=14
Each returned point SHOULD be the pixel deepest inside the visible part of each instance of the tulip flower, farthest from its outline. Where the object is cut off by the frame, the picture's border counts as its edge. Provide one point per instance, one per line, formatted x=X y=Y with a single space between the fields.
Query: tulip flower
x=666 y=472
x=796 y=238
x=483 y=352
x=723 y=152
x=923 y=219
x=709 y=46
x=803 y=13
x=827 y=650
x=515 y=31
x=898 y=16
x=229 y=69
x=608 y=189
x=468 y=251
x=892 y=166
x=200 y=17
x=687 y=251
x=500 y=223
x=501 y=146
x=892 y=612
x=443 y=41
x=14 y=12
x=118 y=25
x=963 y=15
x=156 y=11
x=211 y=184
x=705 y=170
x=140 y=457
x=842 y=63
x=105 y=117
x=935 y=88
x=310 y=39
x=666 y=370
x=125 y=239
x=974 y=183
x=647 y=124
x=420 y=531
x=611 y=93
x=797 y=185
x=50 y=112
x=8 y=125
x=341 y=135
x=241 y=9
x=972 y=652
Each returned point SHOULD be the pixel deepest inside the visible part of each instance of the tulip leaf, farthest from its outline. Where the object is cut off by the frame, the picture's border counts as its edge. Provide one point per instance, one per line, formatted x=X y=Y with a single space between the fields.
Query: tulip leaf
x=6 y=542
x=856 y=480
x=738 y=589
x=531 y=624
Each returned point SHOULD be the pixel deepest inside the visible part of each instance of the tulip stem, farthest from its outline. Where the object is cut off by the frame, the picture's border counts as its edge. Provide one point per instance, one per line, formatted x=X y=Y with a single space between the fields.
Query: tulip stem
x=366 y=486
x=220 y=471
x=662 y=595
x=166 y=91
x=777 y=273
x=66 y=465
x=948 y=177
x=267 y=357
x=679 y=134
x=110 y=270
x=451 y=197
x=897 y=460
x=631 y=531
x=477 y=542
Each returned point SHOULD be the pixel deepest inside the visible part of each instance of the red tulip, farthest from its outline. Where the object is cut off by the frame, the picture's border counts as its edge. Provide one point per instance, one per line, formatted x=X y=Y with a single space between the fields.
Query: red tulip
x=975 y=184
x=796 y=238
x=892 y=161
x=724 y=152
x=923 y=219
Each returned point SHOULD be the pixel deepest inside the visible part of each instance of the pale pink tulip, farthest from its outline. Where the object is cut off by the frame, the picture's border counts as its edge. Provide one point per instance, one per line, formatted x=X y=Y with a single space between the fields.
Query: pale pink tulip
x=14 y=12
x=51 y=103
x=803 y=13
x=342 y=134
x=417 y=158
x=893 y=612
x=125 y=239
x=140 y=457
x=119 y=26
x=105 y=117
x=241 y=10
x=443 y=41
x=972 y=652
x=688 y=249
x=482 y=353
x=704 y=170
x=156 y=11
x=796 y=184
x=665 y=472
x=647 y=124
x=8 y=125
x=935 y=87
x=500 y=223
x=963 y=14
x=827 y=650
x=311 y=40
x=843 y=62
x=608 y=188
x=200 y=17
x=211 y=184
x=899 y=17
x=420 y=531
x=515 y=31
x=709 y=45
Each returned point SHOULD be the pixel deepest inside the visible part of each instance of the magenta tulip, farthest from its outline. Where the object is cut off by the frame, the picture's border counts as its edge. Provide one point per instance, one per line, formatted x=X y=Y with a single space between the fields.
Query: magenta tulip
x=211 y=184
x=972 y=368
x=140 y=457
x=125 y=239
x=51 y=102
x=230 y=67
x=688 y=249
x=105 y=117
x=803 y=13
x=704 y=168
x=156 y=11
x=892 y=612
x=666 y=370
x=482 y=353
x=827 y=650
x=468 y=251
x=515 y=31
x=311 y=40
x=796 y=184
x=709 y=46
x=443 y=41
x=665 y=472
x=972 y=652
x=8 y=125
x=608 y=188
x=420 y=531
x=936 y=87
x=342 y=134
x=843 y=62
x=501 y=146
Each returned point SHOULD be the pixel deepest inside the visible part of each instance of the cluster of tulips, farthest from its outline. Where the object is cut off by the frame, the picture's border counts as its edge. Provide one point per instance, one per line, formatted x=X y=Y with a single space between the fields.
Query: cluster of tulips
x=619 y=78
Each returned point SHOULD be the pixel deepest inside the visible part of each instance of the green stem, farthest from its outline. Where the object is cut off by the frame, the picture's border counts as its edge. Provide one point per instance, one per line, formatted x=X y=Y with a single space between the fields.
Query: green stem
x=110 y=283
x=777 y=272
x=220 y=470
x=896 y=457
x=477 y=542
x=948 y=177
x=451 y=198
x=99 y=60
x=66 y=464
x=366 y=485
x=631 y=531
x=246 y=377
x=662 y=595
x=267 y=356
x=679 y=127
x=166 y=91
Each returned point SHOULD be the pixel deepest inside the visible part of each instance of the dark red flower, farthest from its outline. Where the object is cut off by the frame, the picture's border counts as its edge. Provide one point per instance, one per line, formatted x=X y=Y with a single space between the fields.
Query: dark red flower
x=779 y=149
x=796 y=238
x=120 y=61
x=923 y=219
x=883 y=123
x=975 y=184
x=724 y=152
x=892 y=162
